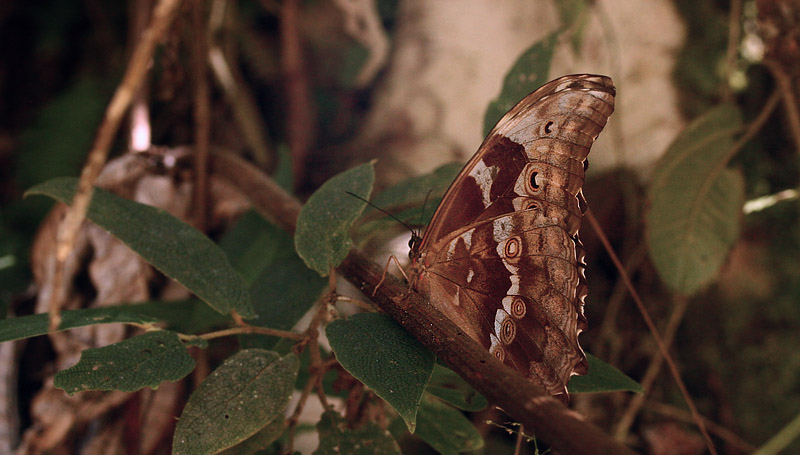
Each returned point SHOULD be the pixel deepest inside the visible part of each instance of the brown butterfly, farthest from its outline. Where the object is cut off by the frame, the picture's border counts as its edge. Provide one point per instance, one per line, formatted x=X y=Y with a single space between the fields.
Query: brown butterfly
x=501 y=257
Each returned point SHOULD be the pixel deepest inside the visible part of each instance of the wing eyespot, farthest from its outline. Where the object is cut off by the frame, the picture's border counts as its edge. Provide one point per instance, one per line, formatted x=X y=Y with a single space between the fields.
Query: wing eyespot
x=499 y=354
x=534 y=185
x=508 y=330
x=513 y=248
x=548 y=127
x=518 y=308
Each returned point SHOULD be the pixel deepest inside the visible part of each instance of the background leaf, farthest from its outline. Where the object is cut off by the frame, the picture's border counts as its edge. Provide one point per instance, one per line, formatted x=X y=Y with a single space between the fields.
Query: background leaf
x=450 y=387
x=143 y=361
x=379 y=353
x=175 y=248
x=322 y=237
x=38 y=324
x=237 y=400
x=602 y=377
x=446 y=429
x=695 y=203
x=336 y=438
x=529 y=72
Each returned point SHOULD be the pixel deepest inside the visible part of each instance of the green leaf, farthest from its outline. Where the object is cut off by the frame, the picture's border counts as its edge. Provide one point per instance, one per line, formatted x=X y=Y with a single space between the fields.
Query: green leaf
x=253 y=243
x=602 y=377
x=695 y=203
x=56 y=143
x=175 y=248
x=448 y=386
x=446 y=429
x=529 y=72
x=282 y=294
x=413 y=191
x=38 y=324
x=143 y=361
x=382 y=355
x=407 y=201
x=185 y=316
x=259 y=441
x=335 y=438
x=322 y=237
x=242 y=396
x=574 y=15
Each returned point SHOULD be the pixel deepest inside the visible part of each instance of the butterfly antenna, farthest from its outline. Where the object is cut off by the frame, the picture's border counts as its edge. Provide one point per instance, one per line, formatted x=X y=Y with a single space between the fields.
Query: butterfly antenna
x=424 y=206
x=413 y=232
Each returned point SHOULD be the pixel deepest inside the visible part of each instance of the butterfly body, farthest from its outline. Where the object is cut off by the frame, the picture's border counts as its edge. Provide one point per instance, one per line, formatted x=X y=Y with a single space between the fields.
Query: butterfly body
x=501 y=257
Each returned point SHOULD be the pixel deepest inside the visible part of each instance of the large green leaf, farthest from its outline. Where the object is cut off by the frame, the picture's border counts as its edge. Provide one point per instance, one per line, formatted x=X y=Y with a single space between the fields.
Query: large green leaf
x=602 y=377
x=322 y=237
x=38 y=324
x=446 y=429
x=695 y=202
x=379 y=353
x=529 y=72
x=242 y=396
x=143 y=361
x=175 y=248
x=336 y=438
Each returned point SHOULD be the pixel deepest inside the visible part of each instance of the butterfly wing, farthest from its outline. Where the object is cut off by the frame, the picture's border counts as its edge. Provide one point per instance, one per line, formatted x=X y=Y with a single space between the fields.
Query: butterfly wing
x=501 y=256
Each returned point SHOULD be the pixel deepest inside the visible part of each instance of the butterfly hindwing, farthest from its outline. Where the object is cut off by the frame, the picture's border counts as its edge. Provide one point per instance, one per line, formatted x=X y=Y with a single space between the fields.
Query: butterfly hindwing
x=501 y=256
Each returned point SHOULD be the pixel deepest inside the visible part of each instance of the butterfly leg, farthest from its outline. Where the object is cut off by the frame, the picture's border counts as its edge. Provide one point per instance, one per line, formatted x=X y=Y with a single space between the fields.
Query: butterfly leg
x=386 y=269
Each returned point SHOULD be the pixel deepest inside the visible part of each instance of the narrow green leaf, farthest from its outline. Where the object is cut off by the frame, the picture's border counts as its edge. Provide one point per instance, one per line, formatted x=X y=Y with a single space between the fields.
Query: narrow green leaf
x=259 y=441
x=143 y=361
x=695 y=203
x=529 y=72
x=602 y=377
x=379 y=353
x=448 y=386
x=38 y=324
x=446 y=429
x=336 y=438
x=175 y=248
x=322 y=237
x=242 y=396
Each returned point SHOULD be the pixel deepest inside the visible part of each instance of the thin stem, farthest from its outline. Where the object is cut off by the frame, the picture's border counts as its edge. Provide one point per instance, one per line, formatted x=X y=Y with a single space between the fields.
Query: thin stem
x=131 y=83
x=662 y=347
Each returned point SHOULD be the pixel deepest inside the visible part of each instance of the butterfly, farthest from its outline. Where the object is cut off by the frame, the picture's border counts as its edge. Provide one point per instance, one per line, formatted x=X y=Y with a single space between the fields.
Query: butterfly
x=501 y=256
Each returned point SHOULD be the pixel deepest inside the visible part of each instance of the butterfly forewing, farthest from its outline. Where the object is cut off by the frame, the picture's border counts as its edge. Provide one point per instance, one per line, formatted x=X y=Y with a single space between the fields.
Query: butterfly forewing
x=501 y=256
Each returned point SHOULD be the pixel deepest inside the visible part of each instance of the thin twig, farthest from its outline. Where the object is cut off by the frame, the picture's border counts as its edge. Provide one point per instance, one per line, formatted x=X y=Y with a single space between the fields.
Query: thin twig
x=723 y=433
x=248 y=330
x=734 y=36
x=131 y=82
x=680 y=304
x=202 y=113
x=653 y=330
x=789 y=100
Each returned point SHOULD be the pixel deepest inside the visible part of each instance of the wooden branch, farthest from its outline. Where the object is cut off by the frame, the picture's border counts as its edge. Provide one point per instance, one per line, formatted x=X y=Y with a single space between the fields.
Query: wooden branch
x=543 y=415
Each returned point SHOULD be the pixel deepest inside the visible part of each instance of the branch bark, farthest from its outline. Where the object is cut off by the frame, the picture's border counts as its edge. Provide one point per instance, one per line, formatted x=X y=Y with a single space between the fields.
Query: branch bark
x=563 y=429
